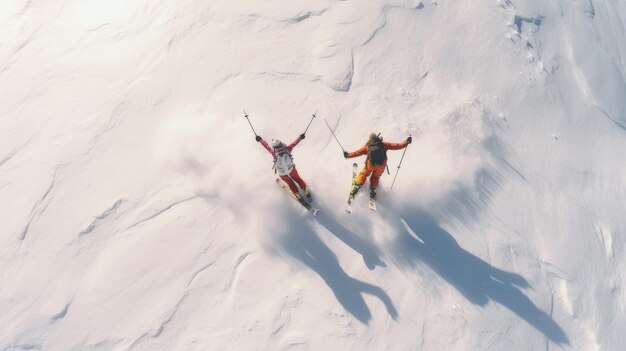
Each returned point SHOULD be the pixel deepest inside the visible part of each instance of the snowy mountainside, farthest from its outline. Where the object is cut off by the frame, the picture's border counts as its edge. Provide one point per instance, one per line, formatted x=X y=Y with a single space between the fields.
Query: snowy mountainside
x=141 y=214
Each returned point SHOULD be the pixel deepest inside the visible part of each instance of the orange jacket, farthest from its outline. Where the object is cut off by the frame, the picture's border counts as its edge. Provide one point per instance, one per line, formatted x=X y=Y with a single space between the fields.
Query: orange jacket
x=365 y=150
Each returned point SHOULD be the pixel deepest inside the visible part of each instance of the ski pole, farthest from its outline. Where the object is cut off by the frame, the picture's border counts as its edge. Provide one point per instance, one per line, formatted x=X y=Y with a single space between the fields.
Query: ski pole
x=307 y=127
x=246 y=116
x=331 y=130
x=398 y=170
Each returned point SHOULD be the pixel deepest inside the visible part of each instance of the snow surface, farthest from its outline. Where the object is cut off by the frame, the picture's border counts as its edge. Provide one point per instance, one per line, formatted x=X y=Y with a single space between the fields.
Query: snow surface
x=139 y=213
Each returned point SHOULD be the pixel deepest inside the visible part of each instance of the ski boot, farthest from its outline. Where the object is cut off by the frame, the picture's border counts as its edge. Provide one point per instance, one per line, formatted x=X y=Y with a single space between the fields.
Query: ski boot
x=302 y=201
x=373 y=194
x=308 y=195
x=372 y=204
x=353 y=191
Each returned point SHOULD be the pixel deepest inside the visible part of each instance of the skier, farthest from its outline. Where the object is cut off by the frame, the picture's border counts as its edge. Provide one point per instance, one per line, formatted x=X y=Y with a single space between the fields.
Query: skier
x=376 y=151
x=284 y=166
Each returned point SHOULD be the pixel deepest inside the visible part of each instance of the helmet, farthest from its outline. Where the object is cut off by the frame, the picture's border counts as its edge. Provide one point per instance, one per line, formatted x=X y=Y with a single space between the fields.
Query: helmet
x=277 y=144
x=374 y=136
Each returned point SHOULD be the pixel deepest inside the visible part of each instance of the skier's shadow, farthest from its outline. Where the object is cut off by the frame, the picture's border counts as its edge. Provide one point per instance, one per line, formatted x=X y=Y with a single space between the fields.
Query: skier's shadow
x=364 y=247
x=303 y=244
x=478 y=281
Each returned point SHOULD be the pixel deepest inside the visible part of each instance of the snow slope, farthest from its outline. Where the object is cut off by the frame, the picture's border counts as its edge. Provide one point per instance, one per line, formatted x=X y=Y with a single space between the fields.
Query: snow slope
x=139 y=213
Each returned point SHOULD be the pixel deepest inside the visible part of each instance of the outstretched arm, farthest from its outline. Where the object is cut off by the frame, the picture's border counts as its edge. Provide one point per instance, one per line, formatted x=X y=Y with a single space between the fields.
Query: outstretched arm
x=295 y=142
x=360 y=152
x=396 y=146
x=267 y=147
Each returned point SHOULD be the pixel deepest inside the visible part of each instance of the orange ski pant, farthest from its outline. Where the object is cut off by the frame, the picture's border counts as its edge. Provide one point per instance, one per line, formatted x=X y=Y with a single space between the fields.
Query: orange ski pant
x=294 y=176
x=374 y=171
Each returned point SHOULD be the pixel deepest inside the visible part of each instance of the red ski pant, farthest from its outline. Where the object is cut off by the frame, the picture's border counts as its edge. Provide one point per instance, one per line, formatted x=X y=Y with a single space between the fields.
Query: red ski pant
x=294 y=176
x=374 y=171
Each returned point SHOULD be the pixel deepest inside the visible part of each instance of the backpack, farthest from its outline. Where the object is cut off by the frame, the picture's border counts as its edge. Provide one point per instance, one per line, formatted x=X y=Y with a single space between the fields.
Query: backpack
x=283 y=164
x=377 y=153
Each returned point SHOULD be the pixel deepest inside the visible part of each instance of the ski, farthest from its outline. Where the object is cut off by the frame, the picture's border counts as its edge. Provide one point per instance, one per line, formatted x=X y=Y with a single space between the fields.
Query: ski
x=349 y=207
x=355 y=169
x=373 y=205
x=309 y=197
x=314 y=211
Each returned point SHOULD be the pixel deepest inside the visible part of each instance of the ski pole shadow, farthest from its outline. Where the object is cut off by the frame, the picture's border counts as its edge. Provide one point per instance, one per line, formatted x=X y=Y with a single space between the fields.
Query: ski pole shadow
x=365 y=248
x=303 y=244
x=421 y=239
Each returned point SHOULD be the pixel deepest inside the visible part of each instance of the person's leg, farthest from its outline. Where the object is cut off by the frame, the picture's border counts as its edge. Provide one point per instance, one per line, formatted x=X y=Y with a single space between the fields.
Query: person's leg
x=291 y=184
x=360 y=180
x=362 y=176
x=296 y=177
x=374 y=180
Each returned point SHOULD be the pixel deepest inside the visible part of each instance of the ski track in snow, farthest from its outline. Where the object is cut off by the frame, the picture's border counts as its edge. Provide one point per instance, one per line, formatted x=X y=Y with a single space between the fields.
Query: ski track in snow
x=231 y=285
x=155 y=333
x=611 y=118
x=58 y=316
x=101 y=217
x=12 y=153
x=607 y=240
x=161 y=211
x=38 y=208
x=291 y=20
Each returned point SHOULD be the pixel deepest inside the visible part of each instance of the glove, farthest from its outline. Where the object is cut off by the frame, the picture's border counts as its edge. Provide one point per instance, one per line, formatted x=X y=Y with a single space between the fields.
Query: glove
x=302 y=136
x=409 y=139
x=258 y=138
x=345 y=154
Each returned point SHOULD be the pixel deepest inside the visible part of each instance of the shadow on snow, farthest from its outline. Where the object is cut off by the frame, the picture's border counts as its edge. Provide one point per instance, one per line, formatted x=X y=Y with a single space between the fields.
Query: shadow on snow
x=421 y=239
x=364 y=247
x=303 y=244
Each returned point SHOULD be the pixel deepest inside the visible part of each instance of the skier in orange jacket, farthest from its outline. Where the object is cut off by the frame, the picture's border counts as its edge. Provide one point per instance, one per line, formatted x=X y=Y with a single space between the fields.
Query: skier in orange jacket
x=376 y=151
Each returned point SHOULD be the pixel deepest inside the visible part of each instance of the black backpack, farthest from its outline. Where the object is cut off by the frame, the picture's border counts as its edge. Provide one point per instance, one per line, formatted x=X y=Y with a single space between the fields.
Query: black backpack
x=377 y=153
